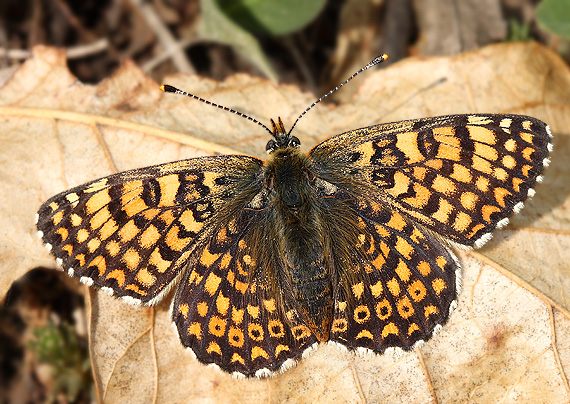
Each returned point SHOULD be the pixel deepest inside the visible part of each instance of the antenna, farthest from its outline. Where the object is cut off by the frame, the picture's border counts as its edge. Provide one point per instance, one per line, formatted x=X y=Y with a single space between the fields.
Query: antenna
x=374 y=62
x=171 y=89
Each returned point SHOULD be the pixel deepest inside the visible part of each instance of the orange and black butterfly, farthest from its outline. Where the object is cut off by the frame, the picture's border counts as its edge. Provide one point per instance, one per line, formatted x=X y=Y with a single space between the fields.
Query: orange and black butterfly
x=348 y=243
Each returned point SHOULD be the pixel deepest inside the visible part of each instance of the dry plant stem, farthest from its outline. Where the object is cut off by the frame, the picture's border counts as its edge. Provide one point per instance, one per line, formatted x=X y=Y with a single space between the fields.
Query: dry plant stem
x=168 y=53
x=76 y=52
x=164 y=36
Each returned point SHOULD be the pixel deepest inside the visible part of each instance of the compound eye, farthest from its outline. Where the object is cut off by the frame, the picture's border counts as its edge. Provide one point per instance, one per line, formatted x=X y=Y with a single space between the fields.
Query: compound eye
x=271 y=146
x=294 y=142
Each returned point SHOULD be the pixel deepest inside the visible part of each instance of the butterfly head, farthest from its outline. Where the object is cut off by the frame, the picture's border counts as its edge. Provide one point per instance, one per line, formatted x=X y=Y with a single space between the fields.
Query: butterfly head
x=282 y=139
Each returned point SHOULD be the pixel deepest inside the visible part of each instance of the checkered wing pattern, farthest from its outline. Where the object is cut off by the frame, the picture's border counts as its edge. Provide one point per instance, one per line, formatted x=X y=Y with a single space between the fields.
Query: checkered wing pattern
x=461 y=176
x=229 y=310
x=132 y=233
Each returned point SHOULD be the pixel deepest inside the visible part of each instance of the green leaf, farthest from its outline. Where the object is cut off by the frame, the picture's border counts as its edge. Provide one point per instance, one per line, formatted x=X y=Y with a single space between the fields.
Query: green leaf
x=274 y=17
x=217 y=27
x=554 y=16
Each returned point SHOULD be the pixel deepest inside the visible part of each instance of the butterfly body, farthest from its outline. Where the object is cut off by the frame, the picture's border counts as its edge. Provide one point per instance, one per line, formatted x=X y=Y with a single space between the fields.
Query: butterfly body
x=348 y=243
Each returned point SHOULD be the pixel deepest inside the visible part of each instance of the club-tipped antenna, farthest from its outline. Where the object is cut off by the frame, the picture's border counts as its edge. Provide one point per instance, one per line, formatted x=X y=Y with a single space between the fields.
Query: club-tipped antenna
x=171 y=89
x=374 y=62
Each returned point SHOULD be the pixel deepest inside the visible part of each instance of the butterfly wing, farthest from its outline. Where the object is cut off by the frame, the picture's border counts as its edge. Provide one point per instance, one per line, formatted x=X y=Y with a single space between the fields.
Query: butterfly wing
x=132 y=233
x=461 y=176
x=229 y=310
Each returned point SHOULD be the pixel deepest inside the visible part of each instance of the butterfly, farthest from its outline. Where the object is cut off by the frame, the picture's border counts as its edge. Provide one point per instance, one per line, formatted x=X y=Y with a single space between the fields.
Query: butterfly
x=347 y=244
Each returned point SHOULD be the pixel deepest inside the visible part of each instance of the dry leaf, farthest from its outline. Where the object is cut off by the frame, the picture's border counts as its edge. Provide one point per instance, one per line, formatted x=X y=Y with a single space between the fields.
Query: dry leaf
x=507 y=341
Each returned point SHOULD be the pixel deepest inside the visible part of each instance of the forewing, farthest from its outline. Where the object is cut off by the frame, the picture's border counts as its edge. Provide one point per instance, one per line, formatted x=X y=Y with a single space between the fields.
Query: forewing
x=403 y=288
x=227 y=310
x=461 y=175
x=132 y=233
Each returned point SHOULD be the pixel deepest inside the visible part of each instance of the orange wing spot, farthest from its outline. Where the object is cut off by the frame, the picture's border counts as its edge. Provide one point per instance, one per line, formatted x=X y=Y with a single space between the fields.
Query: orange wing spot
x=481 y=165
x=184 y=309
x=212 y=283
x=342 y=306
x=482 y=184
x=420 y=173
x=416 y=236
x=407 y=143
x=269 y=305
x=390 y=328
x=417 y=291
x=447 y=152
x=508 y=161
x=56 y=219
x=222 y=304
x=99 y=218
x=405 y=307
x=118 y=275
x=527 y=137
x=253 y=311
x=505 y=123
x=63 y=232
x=500 y=194
x=167 y=217
x=487 y=211
x=365 y=334
x=527 y=153
x=441 y=261
x=480 y=134
x=132 y=259
x=276 y=328
x=404 y=247
x=436 y=164
x=403 y=271
x=108 y=229
x=230 y=277
x=413 y=327
x=257 y=351
x=176 y=243
x=128 y=231
x=475 y=229
x=255 y=332
x=377 y=289
x=430 y=310
x=469 y=200
x=145 y=278
x=136 y=289
x=462 y=222
x=461 y=173
x=368 y=268
x=54 y=206
x=241 y=287
x=190 y=223
x=401 y=183
x=516 y=184
x=393 y=286
x=97 y=201
x=240 y=269
x=511 y=145
x=358 y=290
x=217 y=326
x=421 y=197
x=157 y=260
x=133 y=206
x=213 y=347
x=235 y=337
x=300 y=331
x=169 y=185
x=339 y=325
x=367 y=152
x=99 y=263
x=97 y=185
x=225 y=262
x=195 y=329
x=445 y=131
x=241 y=244
x=237 y=358
x=486 y=151
x=149 y=237
x=500 y=174
x=76 y=220
x=438 y=285
x=248 y=260
x=68 y=248
x=396 y=222
x=82 y=235
x=81 y=259
x=237 y=315
x=443 y=185
x=382 y=231
x=93 y=244
x=383 y=309
x=424 y=268
x=525 y=169
x=443 y=211
x=361 y=314
x=207 y=258
x=133 y=188
x=281 y=348
x=202 y=308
